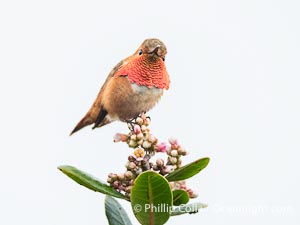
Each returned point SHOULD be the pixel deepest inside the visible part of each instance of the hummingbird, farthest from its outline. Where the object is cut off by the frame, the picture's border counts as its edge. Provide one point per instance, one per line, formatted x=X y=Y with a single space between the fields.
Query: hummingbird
x=132 y=87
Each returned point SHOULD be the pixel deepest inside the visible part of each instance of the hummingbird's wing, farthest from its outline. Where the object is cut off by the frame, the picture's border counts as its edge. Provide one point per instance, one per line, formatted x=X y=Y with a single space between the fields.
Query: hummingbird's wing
x=97 y=114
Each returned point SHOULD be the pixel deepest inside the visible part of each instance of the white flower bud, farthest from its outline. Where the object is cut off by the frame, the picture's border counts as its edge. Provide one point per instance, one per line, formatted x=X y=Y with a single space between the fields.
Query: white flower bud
x=151 y=138
x=147 y=121
x=173 y=160
x=128 y=189
x=173 y=141
x=168 y=150
x=131 y=165
x=159 y=162
x=143 y=128
x=146 y=144
x=167 y=169
x=182 y=151
x=179 y=161
x=140 y=142
x=133 y=137
x=132 y=143
x=128 y=175
x=139 y=136
x=139 y=121
x=174 y=153
x=121 y=176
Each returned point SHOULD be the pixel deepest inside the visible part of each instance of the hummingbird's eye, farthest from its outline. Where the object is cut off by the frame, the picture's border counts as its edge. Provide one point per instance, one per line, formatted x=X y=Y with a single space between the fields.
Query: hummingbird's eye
x=140 y=52
x=163 y=58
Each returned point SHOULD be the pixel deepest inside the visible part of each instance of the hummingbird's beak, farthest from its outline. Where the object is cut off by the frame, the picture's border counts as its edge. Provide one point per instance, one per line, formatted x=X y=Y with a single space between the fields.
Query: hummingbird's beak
x=155 y=50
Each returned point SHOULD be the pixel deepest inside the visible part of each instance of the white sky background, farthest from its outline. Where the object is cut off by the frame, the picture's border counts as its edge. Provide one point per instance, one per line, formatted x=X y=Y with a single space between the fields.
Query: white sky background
x=234 y=96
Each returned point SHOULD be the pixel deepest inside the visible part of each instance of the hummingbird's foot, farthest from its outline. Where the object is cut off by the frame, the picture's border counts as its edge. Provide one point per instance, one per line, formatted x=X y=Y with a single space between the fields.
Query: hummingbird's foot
x=139 y=120
x=131 y=123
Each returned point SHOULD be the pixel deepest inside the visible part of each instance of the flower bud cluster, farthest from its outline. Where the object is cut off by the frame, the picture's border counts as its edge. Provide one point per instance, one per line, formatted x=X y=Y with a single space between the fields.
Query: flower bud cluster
x=174 y=152
x=134 y=166
x=162 y=168
x=122 y=182
x=181 y=185
x=145 y=145
x=139 y=135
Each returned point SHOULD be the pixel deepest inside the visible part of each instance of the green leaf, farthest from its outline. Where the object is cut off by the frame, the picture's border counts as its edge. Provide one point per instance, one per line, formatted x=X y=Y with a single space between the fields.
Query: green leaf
x=89 y=181
x=189 y=208
x=180 y=197
x=115 y=213
x=188 y=170
x=151 y=198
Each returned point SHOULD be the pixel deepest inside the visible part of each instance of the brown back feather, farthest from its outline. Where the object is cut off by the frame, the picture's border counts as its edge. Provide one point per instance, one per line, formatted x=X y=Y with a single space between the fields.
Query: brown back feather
x=95 y=111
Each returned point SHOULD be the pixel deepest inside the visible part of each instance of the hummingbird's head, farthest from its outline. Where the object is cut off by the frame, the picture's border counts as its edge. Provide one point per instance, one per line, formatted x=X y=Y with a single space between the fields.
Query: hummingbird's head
x=146 y=66
x=152 y=49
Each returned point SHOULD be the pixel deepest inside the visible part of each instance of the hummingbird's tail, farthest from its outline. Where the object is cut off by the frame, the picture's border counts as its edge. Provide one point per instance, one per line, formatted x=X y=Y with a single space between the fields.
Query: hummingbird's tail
x=85 y=121
x=100 y=121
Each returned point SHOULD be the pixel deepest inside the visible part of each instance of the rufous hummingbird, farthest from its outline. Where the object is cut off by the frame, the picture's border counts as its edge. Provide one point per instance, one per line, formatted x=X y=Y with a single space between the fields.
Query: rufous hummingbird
x=132 y=87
